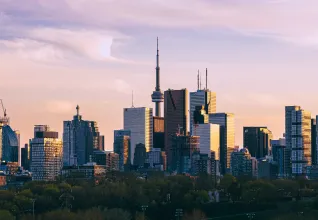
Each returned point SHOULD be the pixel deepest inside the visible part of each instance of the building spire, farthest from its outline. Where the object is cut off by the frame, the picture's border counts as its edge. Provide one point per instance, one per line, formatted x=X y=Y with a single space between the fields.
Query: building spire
x=206 y=78
x=157 y=68
x=77 y=110
x=200 y=82
x=198 y=79
x=157 y=95
x=132 y=99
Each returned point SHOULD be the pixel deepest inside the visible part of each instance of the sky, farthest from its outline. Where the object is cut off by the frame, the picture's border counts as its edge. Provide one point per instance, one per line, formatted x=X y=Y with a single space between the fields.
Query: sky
x=261 y=55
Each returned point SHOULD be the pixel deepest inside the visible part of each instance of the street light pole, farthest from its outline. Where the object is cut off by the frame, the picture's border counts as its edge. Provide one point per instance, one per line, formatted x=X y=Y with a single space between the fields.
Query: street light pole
x=33 y=202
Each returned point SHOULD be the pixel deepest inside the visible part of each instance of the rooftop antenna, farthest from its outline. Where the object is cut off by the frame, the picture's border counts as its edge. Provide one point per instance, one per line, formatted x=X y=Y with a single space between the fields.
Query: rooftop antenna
x=198 y=80
x=132 y=99
x=206 y=78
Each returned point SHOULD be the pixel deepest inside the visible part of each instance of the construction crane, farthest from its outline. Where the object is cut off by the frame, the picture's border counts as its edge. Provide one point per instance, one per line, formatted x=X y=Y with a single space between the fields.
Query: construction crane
x=4 y=120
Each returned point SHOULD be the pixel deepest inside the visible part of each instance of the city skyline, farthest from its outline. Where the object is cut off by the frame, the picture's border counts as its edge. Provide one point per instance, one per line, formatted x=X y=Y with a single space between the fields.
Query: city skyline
x=50 y=62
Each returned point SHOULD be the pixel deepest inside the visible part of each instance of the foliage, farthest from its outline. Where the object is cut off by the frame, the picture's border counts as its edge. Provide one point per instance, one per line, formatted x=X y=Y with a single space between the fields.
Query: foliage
x=4 y=214
x=227 y=181
x=194 y=215
x=122 y=196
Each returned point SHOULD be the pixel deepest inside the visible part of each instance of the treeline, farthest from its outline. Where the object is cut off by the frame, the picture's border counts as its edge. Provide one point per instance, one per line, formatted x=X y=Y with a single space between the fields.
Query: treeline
x=126 y=196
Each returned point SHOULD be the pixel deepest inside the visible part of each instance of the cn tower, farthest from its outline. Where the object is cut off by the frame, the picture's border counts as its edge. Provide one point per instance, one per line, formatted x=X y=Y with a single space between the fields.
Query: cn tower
x=157 y=95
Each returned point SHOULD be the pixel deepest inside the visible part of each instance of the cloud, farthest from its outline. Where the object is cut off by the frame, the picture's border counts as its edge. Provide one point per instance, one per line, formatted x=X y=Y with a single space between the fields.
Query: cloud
x=55 y=44
x=60 y=107
x=49 y=30
x=121 y=86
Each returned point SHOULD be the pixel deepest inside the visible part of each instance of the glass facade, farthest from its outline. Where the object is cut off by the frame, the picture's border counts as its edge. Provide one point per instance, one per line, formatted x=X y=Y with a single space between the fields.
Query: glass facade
x=258 y=141
x=209 y=139
x=80 y=139
x=227 y=137
x=140 y=123
x=46 y=157
x=204 y=98
x=10 y=145
x=122 y=147
x=176 y=108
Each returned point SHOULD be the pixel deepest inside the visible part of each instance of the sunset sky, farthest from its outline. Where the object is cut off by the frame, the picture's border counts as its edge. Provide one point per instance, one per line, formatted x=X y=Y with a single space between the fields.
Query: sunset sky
x=261 y=55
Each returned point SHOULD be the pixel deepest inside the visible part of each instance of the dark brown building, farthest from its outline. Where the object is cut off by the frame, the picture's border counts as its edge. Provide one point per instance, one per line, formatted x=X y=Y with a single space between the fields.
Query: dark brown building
x=176 y=116
x=159 y=132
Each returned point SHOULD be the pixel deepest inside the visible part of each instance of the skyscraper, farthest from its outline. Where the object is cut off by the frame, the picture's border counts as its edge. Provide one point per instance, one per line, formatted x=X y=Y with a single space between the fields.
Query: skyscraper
x=157 y=96
x=10 y=144
x=314 y=141
x=204 y=98
x=182 y=150
x=101 y=143
x=199 y=116
x=122 y=147
x=159 y=133
x=209 y=139
x=176 y=116
x=227 y=137
x=258 y=141
x=140 y=123
x=46 y=154
x=140 y=156
x=242 y=164
x=25 y=157
x=80 y=139
x=1 y=147
x=298 y=138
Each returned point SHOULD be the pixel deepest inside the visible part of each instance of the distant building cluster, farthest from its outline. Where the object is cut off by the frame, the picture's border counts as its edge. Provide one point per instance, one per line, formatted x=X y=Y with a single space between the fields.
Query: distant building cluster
x=190 y=138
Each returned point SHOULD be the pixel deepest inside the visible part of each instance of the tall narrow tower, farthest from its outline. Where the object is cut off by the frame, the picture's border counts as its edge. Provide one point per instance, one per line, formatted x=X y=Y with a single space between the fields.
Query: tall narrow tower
x=157 y=95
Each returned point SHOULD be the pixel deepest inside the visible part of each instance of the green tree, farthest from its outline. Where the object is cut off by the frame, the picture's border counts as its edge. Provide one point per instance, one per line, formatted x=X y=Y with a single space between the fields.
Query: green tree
x=6 y=215
x=194 y=215
x=227 y=181
x=59 y=215
x=116 y=214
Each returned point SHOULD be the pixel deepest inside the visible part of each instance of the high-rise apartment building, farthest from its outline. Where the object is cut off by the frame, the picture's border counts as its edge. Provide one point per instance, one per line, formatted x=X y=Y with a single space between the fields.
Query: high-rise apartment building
x=204 y=98
x=46 y=154
x=209 y=138
x=122 y=147
x=80 y=139
x=258 y=141
x=155 y=158
x=243 y=164
x=282 y=156
x=182 y=150
x=140 y=123
x=227 y=137
x=101 y=143
x=176 y=116
x=298 y=138
x=140 y=156
x=314 y=153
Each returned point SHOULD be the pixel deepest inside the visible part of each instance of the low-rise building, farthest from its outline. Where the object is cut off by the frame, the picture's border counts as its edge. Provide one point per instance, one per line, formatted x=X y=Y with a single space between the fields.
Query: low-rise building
x=86 y=171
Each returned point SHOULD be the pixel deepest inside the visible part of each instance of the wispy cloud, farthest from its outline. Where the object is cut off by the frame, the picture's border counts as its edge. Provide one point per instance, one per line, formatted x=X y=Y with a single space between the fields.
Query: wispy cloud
x=59 y=106
x=290 y=19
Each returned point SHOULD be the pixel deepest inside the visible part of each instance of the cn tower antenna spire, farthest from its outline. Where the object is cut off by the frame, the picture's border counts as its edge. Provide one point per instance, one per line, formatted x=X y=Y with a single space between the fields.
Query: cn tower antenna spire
x=157 y=96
